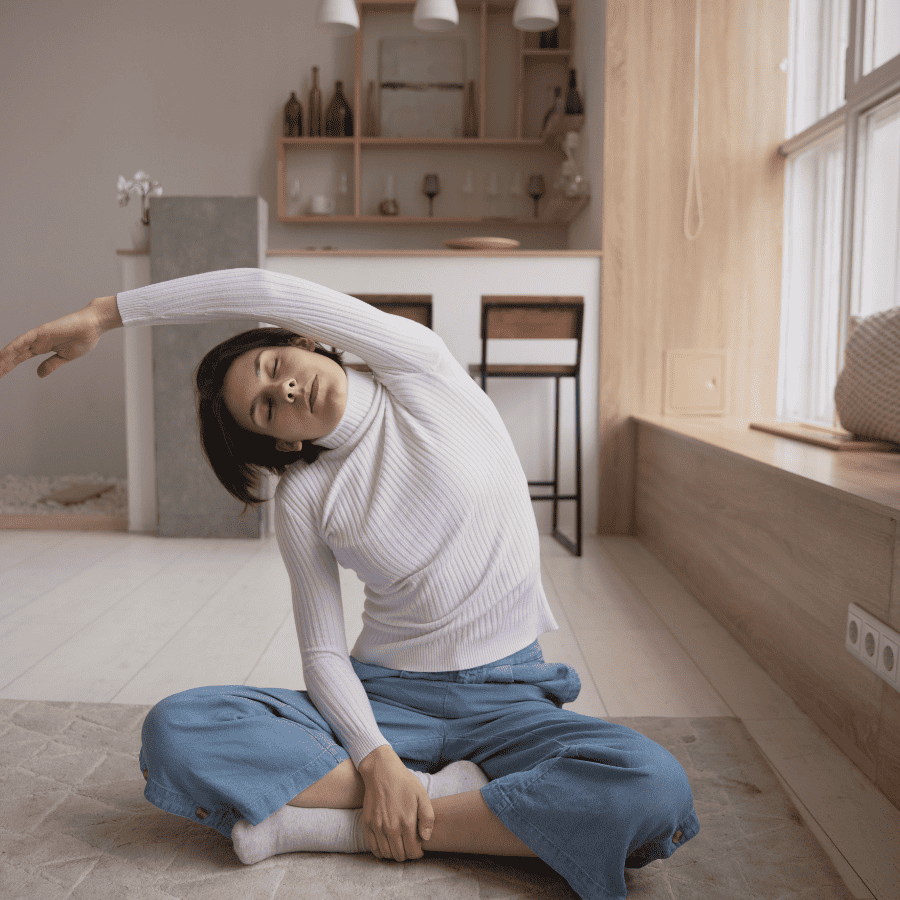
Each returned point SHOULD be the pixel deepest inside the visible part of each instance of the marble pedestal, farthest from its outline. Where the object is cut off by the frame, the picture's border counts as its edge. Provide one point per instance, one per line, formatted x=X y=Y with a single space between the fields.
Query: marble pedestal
x=188 y=236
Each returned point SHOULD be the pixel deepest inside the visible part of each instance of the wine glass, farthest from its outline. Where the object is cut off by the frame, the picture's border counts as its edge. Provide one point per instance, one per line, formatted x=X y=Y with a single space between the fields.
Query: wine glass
x=517 y=192
x=431 y=187
x=493 y=191
x=468 y=189
x=537 y=187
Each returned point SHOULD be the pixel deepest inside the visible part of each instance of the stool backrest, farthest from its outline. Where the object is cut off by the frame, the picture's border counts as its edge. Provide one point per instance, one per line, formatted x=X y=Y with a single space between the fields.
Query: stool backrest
x=542 y=318
x=411 y=306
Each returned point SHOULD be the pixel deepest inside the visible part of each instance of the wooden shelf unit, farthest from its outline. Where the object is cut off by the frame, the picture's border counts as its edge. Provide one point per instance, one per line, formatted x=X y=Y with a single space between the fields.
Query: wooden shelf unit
x=558 y=212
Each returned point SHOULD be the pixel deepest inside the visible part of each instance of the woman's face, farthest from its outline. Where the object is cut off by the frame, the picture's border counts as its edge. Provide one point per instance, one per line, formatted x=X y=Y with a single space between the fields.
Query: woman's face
x=289 y=393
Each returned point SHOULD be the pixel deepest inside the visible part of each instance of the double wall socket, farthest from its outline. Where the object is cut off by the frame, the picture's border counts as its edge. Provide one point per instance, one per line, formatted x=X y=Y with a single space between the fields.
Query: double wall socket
x=873 y=642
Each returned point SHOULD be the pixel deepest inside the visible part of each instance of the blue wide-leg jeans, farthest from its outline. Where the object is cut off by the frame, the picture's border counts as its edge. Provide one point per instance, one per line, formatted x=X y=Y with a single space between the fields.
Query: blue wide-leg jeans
x=590 y=798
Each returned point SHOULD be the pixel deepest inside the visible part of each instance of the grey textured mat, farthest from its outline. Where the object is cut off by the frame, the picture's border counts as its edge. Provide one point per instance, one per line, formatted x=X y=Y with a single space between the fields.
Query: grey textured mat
x=74 y=824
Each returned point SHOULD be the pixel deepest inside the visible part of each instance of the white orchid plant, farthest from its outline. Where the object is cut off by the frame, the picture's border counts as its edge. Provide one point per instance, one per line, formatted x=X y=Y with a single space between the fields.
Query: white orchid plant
x=143 y=185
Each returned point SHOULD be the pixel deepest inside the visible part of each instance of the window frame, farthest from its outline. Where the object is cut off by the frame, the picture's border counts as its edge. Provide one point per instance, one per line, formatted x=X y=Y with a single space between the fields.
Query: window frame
x=862 y=93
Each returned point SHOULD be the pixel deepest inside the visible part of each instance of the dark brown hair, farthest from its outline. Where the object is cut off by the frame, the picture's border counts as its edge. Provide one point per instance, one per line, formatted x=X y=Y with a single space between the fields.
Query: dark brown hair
x=239 y=456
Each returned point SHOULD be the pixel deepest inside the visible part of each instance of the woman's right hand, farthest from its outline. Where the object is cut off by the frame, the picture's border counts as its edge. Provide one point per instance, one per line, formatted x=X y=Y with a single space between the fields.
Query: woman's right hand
x=397 y=812
x=67 y=338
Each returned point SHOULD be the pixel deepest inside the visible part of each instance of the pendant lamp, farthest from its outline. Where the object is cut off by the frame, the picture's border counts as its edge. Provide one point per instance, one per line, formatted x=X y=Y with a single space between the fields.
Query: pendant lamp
x=338 y=16
x=435 y=15
x=535 y=15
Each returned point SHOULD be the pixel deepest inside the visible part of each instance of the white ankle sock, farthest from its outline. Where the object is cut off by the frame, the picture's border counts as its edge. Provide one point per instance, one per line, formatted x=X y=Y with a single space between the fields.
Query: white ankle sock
x=293 y=828
x=457 y=778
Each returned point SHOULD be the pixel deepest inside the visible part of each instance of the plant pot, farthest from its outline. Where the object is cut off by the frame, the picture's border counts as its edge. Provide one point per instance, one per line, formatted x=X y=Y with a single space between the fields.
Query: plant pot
x=140 y=235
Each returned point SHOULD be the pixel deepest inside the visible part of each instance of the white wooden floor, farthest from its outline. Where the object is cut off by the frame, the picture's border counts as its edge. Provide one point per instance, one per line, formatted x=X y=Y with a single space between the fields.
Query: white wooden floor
x=124 y=618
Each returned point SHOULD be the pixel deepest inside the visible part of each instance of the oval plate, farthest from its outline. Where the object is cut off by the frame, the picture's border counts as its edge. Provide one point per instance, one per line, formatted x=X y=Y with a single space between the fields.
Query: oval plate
x=482 y=243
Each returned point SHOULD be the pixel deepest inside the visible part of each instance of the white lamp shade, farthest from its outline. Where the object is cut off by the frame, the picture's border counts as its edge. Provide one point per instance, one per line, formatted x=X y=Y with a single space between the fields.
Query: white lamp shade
x=435 y=15
x=535 y=15
x=338 y=16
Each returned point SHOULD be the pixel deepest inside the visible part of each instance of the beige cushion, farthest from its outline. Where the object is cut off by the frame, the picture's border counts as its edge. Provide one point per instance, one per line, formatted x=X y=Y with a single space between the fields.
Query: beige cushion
x=867 y=395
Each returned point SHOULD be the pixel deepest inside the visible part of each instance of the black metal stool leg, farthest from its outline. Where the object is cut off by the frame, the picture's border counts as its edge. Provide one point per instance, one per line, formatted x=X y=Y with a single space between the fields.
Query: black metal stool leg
x=578 y=465
x=556 y=459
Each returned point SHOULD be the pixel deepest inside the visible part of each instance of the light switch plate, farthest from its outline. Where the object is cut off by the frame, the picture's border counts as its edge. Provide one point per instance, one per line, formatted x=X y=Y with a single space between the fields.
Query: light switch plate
x=694 y=383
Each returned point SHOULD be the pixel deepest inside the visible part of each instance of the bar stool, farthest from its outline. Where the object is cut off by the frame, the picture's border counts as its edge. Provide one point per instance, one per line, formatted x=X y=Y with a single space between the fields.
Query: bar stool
x=417 y=307
x=542 y=318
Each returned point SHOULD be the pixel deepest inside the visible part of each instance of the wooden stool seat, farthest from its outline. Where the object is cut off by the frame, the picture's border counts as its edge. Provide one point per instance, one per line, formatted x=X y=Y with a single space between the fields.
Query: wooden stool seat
x=521 y=370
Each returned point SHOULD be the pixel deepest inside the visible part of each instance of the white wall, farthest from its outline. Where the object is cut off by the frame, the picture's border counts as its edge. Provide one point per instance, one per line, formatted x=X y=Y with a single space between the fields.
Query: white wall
x=191 y=91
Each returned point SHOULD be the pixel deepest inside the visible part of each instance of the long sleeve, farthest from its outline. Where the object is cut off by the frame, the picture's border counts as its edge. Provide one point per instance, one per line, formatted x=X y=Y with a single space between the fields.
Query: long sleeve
x=388 y=344
x=318 y=615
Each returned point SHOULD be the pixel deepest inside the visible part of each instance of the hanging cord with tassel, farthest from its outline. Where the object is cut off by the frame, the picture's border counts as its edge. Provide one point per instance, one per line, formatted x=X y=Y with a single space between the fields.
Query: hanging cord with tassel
x=694 y=177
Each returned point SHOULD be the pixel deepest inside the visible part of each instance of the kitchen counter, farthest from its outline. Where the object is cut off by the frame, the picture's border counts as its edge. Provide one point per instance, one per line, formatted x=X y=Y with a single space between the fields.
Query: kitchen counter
x=547 y=254
x=456 y=280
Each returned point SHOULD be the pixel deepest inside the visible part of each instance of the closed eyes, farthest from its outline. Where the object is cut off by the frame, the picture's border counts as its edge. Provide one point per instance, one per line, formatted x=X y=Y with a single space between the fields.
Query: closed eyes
x=274 y=370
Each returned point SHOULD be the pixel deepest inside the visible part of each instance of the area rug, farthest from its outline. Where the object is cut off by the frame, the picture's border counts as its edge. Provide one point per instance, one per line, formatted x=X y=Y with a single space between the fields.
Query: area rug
x=74 y=824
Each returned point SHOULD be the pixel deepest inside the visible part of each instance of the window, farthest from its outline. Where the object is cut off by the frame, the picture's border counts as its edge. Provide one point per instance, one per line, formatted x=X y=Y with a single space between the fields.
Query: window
x=842 y=190
x=877 y=235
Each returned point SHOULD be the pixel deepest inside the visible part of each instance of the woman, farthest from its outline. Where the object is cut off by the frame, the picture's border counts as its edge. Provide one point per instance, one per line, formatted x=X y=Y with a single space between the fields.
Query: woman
x=408 y=477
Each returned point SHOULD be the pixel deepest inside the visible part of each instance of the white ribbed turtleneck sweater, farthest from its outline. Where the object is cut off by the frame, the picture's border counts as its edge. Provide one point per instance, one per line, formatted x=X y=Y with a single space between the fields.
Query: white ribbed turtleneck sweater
x=420 y=493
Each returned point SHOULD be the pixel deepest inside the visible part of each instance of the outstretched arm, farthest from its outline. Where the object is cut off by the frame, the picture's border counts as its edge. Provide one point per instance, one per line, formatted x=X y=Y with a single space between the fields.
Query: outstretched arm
x=388 y=344
x=67 y=338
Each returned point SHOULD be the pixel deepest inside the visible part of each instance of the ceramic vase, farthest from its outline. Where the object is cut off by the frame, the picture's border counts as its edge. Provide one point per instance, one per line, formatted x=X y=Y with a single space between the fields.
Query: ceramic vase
x=140 y=236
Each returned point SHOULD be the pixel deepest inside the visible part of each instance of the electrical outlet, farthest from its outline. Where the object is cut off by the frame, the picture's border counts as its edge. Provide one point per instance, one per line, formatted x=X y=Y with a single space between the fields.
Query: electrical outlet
x=874 y=644
x=888 y=659
x=868 y=649
x=854 y=633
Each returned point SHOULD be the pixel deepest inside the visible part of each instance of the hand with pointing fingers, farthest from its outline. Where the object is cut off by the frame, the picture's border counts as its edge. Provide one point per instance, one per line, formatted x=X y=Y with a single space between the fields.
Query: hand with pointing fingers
x=67 y=338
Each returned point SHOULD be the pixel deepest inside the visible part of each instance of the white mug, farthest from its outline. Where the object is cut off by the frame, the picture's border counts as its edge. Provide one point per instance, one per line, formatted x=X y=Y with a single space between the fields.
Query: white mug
x=320 y=205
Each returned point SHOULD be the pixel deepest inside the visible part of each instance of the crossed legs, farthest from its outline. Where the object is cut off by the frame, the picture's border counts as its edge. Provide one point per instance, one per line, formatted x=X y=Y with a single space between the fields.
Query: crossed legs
x=463 y=823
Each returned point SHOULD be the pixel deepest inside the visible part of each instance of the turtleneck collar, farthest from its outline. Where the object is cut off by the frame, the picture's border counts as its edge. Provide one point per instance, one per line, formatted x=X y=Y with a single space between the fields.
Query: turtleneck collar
x=361 y=392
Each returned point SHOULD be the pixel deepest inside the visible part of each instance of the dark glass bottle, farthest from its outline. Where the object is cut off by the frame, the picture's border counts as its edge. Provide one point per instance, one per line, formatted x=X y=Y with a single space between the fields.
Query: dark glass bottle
x=557 y=107
x=293 y=117
x=549 y=40
x=314 y=108
x=470 y=117
x=338 y=117
x=573 y=101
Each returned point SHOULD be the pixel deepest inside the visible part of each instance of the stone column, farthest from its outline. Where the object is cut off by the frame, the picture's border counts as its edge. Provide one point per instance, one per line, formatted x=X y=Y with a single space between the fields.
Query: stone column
x=190 y=235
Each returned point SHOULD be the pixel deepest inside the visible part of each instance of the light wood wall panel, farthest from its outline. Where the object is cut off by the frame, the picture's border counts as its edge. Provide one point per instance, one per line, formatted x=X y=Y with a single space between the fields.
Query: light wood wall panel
x=777 y=559
x=660 y=290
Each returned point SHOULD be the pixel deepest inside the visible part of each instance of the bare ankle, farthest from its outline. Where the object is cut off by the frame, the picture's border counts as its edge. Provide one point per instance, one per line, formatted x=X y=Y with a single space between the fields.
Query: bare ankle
x=464 y=823
x=341 y=788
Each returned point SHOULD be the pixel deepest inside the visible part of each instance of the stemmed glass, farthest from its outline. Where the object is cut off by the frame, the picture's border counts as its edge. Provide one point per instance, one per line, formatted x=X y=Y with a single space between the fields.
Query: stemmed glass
x=537 y=187
x=468 y=190
x=493 y=191
x=517 y=193
x=431 y=187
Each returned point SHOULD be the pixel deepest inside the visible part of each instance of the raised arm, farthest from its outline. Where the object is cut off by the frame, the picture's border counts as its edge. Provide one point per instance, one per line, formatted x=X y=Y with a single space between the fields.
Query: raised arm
x=67 y=338
x=387 y=343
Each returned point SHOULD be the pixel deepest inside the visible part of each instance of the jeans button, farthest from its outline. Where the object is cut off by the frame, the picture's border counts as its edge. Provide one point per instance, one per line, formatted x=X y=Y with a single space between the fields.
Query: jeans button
x=677 y=837
x=201 y=813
